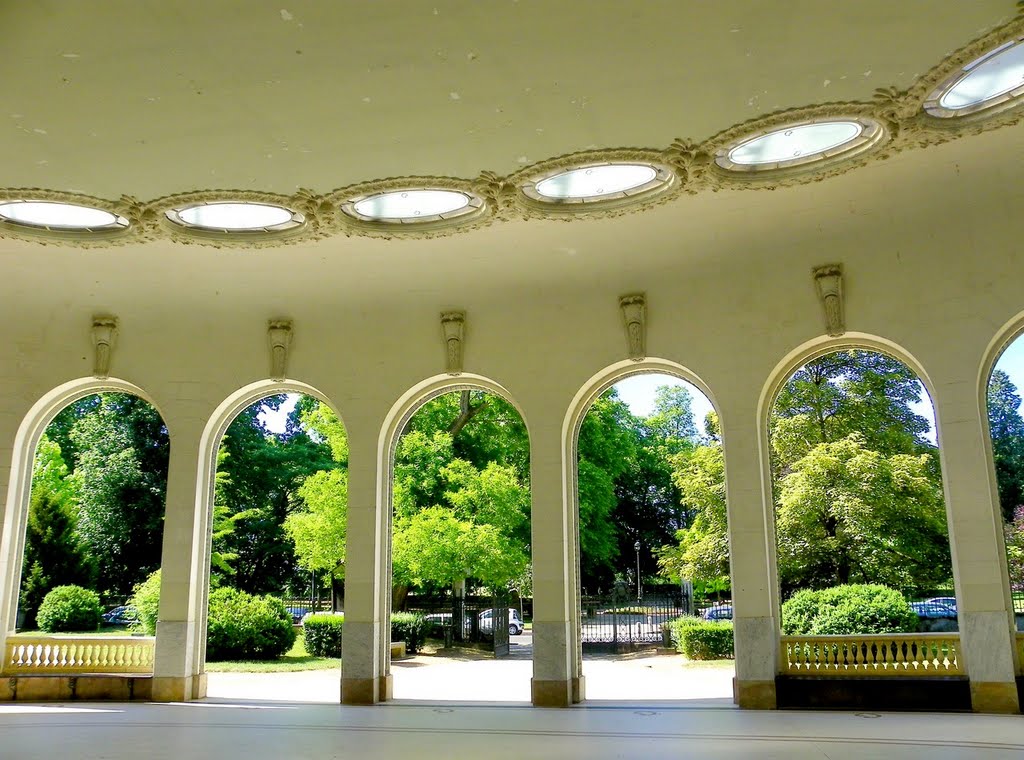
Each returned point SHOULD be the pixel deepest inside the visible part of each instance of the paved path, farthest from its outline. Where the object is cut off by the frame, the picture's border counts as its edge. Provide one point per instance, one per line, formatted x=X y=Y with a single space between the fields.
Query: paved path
x=471 y=677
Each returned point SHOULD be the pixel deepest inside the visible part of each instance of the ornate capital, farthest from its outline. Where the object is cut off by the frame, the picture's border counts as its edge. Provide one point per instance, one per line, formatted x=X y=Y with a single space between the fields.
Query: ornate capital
x=279 y=334
x=828 y=281
x=104 y=335
x=634 y=316
x=453 y=324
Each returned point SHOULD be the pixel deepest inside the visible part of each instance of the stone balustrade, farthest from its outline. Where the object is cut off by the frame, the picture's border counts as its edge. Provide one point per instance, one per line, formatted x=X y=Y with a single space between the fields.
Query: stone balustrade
x=66 y=655
x=896 y=654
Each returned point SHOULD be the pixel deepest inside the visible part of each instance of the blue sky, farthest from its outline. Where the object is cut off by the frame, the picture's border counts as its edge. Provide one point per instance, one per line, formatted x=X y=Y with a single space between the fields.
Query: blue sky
x=638 y=393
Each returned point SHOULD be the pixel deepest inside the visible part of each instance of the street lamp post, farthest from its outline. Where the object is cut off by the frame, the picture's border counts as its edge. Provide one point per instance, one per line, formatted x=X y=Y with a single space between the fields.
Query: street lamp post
x=639 y=590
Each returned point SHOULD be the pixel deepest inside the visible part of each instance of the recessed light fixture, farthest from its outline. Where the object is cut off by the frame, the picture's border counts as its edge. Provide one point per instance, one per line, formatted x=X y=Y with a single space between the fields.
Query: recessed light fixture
x=799 y=144
x=60 y=216
x=235 y=216
x=413 y=206
x=994 y=79
x=595 y=185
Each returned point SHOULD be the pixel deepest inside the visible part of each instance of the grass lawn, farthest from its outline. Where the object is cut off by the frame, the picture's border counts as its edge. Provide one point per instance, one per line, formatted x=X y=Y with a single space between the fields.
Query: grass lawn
x=295 y=659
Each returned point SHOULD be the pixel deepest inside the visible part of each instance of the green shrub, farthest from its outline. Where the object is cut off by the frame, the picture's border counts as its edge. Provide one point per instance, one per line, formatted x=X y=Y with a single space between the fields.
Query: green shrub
x=700 y=639
x=241 y=626
x=69 y=609
x=855 y=608
x=410 y=627
x=323 y=634
x=146 y=602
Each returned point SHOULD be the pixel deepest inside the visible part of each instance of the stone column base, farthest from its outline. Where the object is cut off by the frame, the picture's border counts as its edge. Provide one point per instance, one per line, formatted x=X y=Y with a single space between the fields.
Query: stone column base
x=754 y=695
x=579 y=690
x=360 y=691
x=994 y=697
x=551 y=693
x=173 y=688
x=385 y=688
x=199 y=686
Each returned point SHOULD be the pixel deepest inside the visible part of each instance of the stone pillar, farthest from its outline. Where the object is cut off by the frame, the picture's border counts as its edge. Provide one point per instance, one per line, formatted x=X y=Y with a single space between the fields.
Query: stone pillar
x=752 y=557
x=365 y=676
x=184 y=569
x=984 y=605
x=556 y=676
x=12 y=530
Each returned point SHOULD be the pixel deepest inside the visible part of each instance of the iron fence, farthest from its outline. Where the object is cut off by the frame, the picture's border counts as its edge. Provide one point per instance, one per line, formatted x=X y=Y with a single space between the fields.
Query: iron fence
x=616 y=624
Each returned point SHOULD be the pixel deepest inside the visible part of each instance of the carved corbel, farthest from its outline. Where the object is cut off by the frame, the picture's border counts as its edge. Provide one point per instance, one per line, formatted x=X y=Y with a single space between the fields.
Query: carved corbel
x=453 y=326
x=634 y=316
x=828 y=281
x=279 y=334
x=104 y=335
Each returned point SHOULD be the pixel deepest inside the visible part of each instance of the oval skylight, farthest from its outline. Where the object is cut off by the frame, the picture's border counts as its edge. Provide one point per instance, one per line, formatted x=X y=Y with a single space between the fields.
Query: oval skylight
x=411 y=205
x=595 y=181
x=234 y=216
x=57 y=215
x=795 y=143
x=996 y=76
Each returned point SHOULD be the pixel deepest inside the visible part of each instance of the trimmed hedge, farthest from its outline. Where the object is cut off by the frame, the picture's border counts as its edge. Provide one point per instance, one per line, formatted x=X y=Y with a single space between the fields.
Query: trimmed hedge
x=323 y=634
x=410 y=627
x=70 y=609
x=241 y=626
x=854 y=608
x=700 y=639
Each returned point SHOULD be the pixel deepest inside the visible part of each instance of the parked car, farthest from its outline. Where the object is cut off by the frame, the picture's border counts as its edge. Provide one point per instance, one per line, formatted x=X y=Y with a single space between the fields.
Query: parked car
x=932 y=609
x=297 y=614
x=124 y=615
x=949 y=601
x=718 y=612
x=515 y=625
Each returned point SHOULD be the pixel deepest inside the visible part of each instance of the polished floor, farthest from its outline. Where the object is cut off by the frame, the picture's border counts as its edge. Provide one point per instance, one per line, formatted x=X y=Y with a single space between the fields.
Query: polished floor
x=270 y=731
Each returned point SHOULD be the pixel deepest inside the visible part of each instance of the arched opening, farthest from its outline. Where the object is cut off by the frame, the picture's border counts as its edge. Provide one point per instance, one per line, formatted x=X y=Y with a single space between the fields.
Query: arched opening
x=653 y=544
x=277 y=550
x=1006 y=427
x=461 y=599
x=863 y=551
x=92 y=532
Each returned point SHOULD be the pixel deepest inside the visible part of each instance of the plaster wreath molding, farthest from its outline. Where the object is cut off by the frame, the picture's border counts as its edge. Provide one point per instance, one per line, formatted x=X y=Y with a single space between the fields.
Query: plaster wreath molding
x=895 y=121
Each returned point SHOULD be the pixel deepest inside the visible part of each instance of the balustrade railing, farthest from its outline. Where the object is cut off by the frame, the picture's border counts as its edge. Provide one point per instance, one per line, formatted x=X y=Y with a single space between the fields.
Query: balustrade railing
x=70 y=655
x=900 y=654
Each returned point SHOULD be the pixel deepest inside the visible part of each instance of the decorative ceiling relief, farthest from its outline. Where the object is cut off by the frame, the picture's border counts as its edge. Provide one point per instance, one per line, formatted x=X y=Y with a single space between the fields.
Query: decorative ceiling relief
x=978 y=88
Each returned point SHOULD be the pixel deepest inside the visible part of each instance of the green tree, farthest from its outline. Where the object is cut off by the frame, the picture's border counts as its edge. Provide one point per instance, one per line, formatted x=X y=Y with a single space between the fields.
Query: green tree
x=671 y=421
x=120 y=477
x=54 y=555
x=1014 y=535
x=265 y=471
x=1007 y=430
x=858 y=492
x=848 y=514
x=848 y=392
x=701 y=550
x=608 y=441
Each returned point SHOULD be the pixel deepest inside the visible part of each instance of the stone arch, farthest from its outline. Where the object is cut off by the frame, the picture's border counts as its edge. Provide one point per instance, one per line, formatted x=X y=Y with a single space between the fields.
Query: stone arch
x=394 y=423
x=779 y=375
x=577 y=411
x=209 y=443
x=41 y=414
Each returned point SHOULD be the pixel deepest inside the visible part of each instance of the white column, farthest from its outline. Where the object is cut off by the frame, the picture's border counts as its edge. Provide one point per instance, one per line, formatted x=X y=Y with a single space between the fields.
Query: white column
x=984 y=605
x=556 y=672
x=751 y=556
x=365 y=662
x=184 y=569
